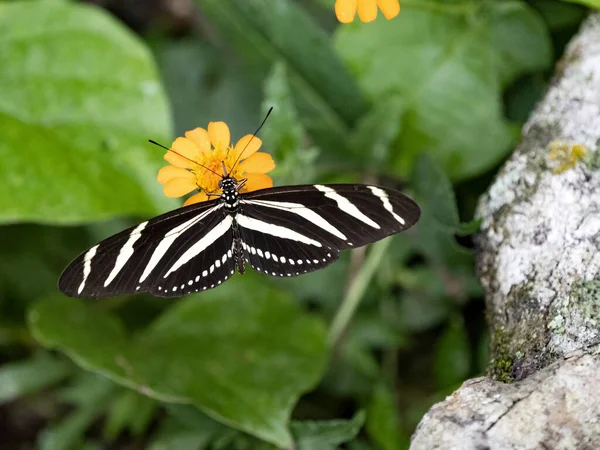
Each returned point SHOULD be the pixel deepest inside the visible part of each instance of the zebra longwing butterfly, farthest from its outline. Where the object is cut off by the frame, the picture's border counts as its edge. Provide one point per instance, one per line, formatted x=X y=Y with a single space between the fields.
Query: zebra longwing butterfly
x=283 y=231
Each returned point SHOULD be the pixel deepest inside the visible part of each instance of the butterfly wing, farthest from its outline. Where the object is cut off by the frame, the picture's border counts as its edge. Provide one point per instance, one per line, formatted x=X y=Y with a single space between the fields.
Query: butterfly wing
x=291 y=230
x=170 y=255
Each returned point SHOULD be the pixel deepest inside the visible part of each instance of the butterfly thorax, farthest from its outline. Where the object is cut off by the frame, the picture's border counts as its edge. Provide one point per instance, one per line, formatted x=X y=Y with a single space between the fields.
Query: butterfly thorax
x=230 y=195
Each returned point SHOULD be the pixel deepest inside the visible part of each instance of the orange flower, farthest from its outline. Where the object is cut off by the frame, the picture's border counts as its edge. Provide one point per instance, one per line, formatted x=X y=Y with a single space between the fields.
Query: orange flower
x=367 y=9
x=201 y=150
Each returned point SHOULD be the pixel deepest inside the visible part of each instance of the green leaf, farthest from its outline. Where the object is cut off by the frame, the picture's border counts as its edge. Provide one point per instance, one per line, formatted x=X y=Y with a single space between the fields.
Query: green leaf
x=80 y=97
x=285 y=136
x=326 y=434
x=559 y=15
x=327 y=99
x=383 y=422
x=377 y=129
x=130 y=411
x=205 y=85
x=242 y=353
x=31 y=375
x=590 y=3
x=519 y=39
x=439 y=214
x=449 y=66
x=452 y=356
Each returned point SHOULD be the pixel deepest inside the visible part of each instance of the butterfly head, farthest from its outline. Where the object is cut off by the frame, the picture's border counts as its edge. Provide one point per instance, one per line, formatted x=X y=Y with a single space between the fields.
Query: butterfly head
x=228 y=184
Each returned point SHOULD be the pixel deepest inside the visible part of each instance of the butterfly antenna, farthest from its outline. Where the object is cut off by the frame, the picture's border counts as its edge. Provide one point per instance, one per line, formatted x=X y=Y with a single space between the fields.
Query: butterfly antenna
x=253 y=136
x=185 y=157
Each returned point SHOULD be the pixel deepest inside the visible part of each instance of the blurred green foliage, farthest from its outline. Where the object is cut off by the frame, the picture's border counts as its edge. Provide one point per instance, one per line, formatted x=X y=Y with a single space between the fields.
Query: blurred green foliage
x=430 y=102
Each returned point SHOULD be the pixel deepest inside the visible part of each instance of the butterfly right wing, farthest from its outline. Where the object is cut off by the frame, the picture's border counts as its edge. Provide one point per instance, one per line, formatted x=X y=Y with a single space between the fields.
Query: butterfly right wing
x=170 y=255
x=291 y=230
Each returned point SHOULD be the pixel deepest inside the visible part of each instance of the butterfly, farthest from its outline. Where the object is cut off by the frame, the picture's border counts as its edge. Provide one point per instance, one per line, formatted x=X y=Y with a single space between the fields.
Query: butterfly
x=280 y=231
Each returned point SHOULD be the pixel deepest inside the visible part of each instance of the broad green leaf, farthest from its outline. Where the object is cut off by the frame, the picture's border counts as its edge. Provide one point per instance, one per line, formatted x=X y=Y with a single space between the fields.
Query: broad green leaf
x=449 y=68
x=80 y=97
x=383 y=422
x=242 y=353
x=377 y=129
x=559 y=15
x=130 y=411
x=285 y=137
x=326 y=434
x=205 y=84
x=266 y=32
x=452 y=356
x=519 y=39
x=25 y=377
x=590 y=3
x=439 y=214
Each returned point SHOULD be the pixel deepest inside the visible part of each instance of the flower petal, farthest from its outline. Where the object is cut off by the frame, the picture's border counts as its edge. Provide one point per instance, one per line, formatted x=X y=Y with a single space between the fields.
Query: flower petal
x=246 y=146
x=176 y=187
x=196 y=198
x=219 y=134
x=257 y=181
x=199 y=136
x=367 y=10
x=389 y=8
x=168 y=172
x=186 y=153
x=345 y=10
x=258 y=163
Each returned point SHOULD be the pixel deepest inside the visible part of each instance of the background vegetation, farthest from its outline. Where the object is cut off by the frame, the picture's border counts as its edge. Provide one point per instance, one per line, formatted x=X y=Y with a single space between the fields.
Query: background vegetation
x=430 y=102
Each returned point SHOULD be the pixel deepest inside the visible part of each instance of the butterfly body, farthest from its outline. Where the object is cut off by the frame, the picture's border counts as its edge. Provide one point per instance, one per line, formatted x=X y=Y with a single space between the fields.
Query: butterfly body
x=284 y=231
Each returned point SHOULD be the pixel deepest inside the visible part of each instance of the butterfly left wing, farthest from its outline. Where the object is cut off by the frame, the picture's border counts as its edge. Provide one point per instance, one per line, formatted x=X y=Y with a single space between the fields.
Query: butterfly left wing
x=185 y=250
x=299 y=229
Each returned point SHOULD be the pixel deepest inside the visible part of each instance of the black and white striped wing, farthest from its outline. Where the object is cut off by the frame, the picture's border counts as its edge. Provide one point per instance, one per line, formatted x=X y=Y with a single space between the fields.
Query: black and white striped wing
x=291 y=230
x=183 y=251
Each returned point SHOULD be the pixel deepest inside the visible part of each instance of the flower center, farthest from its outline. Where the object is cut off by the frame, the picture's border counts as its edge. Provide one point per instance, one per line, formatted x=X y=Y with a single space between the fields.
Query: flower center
x=206 y=180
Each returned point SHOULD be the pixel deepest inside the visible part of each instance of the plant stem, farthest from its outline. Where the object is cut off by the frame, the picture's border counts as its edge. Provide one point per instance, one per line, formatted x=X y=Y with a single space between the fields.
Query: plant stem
x=356 y=291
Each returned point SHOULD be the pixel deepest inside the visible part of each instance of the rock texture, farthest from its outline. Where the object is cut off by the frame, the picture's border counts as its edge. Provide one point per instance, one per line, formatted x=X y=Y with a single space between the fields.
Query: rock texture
x=539 y=262
x=548 y=410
